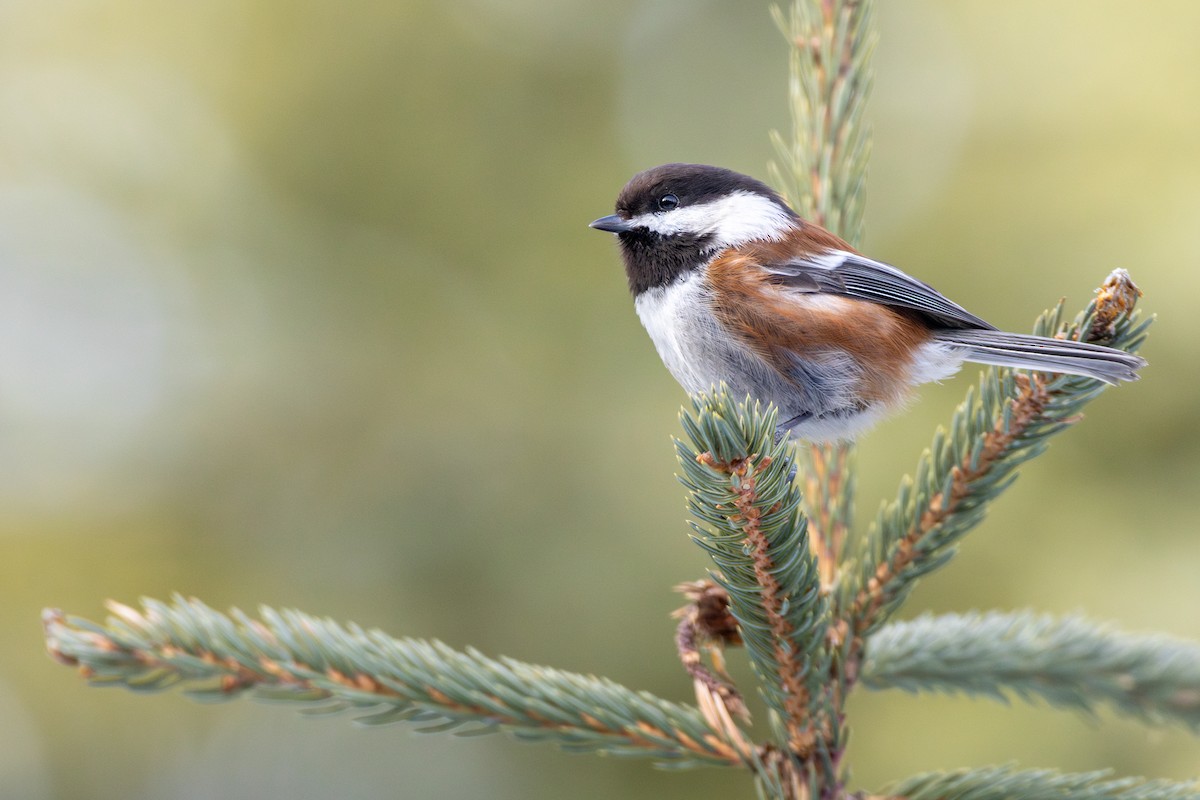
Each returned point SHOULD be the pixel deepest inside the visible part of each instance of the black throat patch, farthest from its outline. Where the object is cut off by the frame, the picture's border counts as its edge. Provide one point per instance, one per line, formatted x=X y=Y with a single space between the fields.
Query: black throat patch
x=653 y=260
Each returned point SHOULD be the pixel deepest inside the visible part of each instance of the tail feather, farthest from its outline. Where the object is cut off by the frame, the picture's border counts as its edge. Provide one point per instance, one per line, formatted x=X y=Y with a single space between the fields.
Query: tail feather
x=1044 y=355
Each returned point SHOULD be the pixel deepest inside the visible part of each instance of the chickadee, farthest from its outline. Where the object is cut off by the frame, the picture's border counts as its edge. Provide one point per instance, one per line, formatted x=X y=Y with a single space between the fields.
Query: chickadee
x=733 y=286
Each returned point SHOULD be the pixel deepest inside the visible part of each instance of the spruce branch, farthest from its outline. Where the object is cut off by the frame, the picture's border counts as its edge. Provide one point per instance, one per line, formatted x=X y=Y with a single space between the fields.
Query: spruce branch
x=292 y=657
x=736 y=473
x=1068 y=662
x=828 y=486
x=1005 y=421
x=822 y=168
x=1008 y=783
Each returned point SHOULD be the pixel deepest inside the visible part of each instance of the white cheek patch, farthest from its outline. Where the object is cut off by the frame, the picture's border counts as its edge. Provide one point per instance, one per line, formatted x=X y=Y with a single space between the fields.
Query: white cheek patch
x=734 y=219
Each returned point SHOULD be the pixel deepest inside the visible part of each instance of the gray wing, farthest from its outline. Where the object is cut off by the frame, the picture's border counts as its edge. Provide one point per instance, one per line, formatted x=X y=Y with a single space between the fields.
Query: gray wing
x=851 y=275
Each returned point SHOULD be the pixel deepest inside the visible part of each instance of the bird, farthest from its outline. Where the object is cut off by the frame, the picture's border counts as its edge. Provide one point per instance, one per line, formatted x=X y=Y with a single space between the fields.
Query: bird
x=734 y=287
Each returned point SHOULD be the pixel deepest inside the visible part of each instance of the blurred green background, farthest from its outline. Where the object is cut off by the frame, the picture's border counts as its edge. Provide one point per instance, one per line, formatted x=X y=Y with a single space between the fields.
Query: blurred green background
x=299 y=306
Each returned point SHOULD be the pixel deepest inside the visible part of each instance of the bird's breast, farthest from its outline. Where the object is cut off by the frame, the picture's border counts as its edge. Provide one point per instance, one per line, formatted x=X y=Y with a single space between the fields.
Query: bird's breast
x=690 y=340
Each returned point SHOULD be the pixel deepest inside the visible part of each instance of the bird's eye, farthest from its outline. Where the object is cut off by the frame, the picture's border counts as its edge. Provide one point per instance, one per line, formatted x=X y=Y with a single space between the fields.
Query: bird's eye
x=667 y=202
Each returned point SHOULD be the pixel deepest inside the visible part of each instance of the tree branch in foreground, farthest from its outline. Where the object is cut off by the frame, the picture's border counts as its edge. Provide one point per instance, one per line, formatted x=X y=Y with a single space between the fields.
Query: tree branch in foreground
x=736 y=473
x=1006 y=783
x=289 y=656
x=1068 y=662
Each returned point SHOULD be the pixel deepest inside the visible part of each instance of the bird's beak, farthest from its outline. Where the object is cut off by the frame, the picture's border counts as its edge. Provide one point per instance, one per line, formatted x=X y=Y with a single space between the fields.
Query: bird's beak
x=612 y=223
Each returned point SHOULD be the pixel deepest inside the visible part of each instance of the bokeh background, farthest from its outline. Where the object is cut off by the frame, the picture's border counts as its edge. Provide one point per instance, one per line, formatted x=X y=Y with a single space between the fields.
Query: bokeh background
x=298 y=306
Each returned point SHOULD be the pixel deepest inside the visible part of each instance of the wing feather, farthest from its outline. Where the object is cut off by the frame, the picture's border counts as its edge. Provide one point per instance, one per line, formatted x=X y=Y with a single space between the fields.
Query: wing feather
x=851 y=275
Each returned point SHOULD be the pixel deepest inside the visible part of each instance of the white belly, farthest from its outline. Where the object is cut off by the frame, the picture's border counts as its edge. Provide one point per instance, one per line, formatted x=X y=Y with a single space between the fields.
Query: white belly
x=688 y=338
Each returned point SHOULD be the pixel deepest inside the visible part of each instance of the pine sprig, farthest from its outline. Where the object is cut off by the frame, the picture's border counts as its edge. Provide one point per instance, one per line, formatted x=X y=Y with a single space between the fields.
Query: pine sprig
x=1005 y=421
x=737 y=476
x=292 y=657
x=828 y=484
x=1068 y=662
x=822 y=168
x=1005 y=783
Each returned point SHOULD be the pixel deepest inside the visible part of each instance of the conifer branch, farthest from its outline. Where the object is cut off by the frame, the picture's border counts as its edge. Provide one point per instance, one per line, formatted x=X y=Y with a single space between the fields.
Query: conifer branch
x=1008 y=783
x=828 y=486
x=1068 y=662
x=822 y=169
x=822 y=166
x=292 y=657
x=1006 y=421
x=736 y=473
